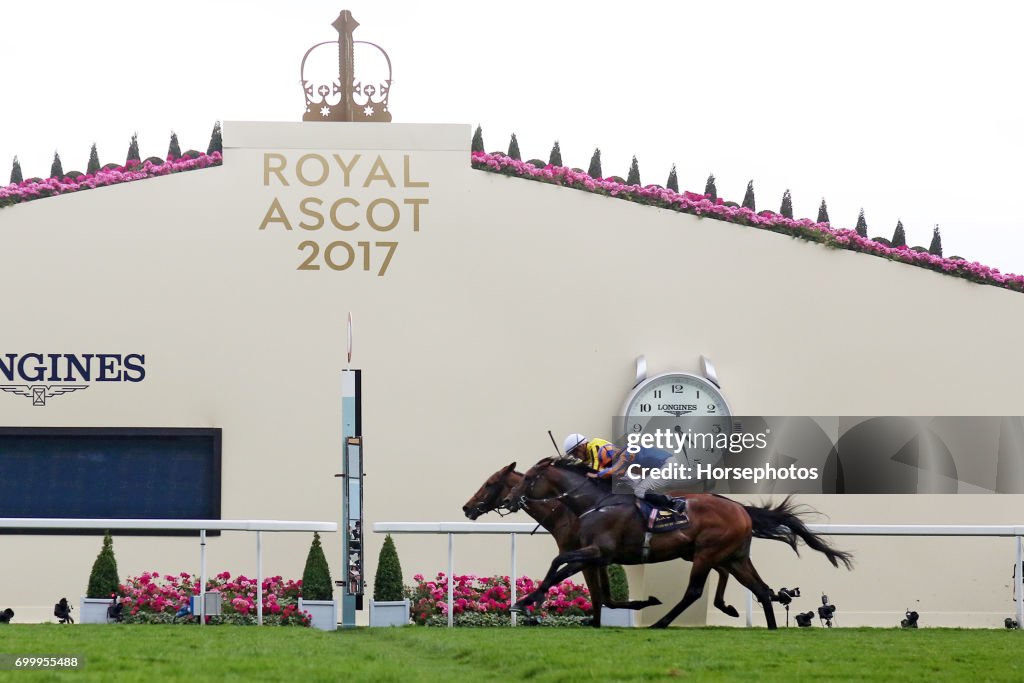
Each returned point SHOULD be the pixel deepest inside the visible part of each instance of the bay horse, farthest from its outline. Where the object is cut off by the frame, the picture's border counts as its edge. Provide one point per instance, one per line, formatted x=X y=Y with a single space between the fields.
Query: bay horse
x=612 y=531
x=561 y=523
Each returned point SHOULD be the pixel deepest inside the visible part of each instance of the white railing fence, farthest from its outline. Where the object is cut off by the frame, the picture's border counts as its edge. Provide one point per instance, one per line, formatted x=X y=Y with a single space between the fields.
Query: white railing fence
x=451 y=529
x=201 y=525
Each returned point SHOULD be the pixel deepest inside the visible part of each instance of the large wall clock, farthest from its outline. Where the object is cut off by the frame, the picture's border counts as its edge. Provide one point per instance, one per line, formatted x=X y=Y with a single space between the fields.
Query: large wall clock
x=683 y=403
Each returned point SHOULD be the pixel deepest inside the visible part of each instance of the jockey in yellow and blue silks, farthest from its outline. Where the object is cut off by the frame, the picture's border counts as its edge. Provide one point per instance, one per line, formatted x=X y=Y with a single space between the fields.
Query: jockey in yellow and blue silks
x=608 y=460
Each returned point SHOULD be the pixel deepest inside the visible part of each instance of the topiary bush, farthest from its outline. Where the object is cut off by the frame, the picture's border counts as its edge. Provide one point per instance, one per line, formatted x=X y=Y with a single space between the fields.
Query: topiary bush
x=594 y=170
x=103 y=581
x=93 y=166
x=478 y=141
x=174 y=149
x=618 y=584
x=555 y=158
x=786 y=209
x=216 y=140
x=387 y=582
x=710 y=190
x=316 y=577
x=133 y=151
x=513 y=149
x=16 y=176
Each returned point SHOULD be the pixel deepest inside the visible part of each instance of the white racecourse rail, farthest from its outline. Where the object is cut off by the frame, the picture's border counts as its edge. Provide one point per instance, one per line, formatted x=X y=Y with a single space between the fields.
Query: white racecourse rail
x=512 y=528
x=200 y=525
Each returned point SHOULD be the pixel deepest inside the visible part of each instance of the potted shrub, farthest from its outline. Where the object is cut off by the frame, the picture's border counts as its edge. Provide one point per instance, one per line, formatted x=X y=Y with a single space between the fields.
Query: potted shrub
x=389 y=606
x=317 y=595
x=618 y=588
x=103 y=586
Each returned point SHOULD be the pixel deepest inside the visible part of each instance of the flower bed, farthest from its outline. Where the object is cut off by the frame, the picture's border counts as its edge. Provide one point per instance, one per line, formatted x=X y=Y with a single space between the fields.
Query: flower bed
x=701 y=205
x=151 y=598
x=36 y=189
x=485 y=601
x=654 y=195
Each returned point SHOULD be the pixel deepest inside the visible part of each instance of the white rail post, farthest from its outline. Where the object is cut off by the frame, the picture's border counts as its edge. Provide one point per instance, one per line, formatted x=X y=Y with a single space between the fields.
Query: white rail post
x=512 y=578
x=750 y=608
x=1018 y=581
x=202 y=577
x=451 y=580
x=259 y=578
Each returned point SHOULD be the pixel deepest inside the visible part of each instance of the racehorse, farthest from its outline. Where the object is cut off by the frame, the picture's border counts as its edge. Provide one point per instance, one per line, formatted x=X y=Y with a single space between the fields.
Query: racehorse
x=611 y=530
x=561 y=523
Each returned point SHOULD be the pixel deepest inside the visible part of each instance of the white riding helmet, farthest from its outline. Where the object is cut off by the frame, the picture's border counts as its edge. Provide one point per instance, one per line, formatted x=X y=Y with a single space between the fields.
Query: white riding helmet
x=572 y=441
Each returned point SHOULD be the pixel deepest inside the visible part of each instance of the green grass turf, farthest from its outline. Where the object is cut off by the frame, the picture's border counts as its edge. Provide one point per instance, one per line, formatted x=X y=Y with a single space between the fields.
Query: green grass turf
x=413 y=654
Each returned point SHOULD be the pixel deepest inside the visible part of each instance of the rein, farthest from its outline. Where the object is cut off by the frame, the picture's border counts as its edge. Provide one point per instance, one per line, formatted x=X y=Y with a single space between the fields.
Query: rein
x=564 y=494
x=523 y=499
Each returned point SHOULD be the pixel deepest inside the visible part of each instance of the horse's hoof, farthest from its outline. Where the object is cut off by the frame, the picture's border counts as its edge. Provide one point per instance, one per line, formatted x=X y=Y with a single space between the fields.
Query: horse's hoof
x=731 y=611
x=651 y=601
x=658 y=624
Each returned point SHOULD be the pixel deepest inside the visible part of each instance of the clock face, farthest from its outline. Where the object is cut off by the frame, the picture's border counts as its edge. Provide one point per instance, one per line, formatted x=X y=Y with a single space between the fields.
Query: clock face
x=681 y=404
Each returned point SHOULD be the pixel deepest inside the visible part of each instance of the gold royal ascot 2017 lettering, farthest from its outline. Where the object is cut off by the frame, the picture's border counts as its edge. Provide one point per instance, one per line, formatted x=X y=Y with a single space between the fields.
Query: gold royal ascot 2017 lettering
x=345 y=213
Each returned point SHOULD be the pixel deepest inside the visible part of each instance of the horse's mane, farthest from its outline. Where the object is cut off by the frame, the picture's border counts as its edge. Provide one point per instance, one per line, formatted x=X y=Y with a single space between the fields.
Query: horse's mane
x=573 y=465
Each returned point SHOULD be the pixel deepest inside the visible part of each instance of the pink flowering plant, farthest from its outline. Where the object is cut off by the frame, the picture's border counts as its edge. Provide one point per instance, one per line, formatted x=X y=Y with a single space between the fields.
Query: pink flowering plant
x=485 y=601
x=702 y=205
x=654 y=195
x=155 y=598
x=34 y=188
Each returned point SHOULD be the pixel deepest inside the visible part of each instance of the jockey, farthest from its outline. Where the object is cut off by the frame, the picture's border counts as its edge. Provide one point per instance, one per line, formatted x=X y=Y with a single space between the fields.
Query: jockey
x=608 y=460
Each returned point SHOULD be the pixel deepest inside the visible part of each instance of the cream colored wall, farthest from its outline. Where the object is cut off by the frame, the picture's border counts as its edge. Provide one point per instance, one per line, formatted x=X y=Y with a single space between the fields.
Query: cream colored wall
x=516 y=308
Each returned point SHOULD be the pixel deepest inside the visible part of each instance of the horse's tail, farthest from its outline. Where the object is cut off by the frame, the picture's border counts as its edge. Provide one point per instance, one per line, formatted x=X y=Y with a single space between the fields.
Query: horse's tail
x=783 y=523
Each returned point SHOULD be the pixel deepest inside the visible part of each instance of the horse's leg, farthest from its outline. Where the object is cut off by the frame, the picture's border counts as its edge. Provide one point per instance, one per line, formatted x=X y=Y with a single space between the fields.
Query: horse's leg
x=694 y=589
x=624 y=604
x=723 y=578
x=745 y=573
x=596 y=579
x=633 y=604
x=573 y=561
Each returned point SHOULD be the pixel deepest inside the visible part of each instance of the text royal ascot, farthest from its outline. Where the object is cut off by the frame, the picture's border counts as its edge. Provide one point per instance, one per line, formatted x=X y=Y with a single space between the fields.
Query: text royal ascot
x=345 y=213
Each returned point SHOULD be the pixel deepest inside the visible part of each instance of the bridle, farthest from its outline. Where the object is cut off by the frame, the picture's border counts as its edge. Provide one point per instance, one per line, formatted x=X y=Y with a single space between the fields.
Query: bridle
x=492 y=493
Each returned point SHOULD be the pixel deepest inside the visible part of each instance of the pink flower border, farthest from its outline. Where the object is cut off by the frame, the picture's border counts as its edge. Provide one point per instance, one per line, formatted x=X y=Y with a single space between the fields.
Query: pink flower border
x=654 y=195
x=36 y=189
x=701 y=205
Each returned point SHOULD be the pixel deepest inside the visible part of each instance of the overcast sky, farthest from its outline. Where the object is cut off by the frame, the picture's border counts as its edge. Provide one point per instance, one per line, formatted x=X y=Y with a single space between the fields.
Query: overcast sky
x=912 y=111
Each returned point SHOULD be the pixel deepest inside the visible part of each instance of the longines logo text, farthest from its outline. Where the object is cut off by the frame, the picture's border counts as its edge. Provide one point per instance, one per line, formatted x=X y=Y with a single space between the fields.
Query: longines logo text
x=47 y=375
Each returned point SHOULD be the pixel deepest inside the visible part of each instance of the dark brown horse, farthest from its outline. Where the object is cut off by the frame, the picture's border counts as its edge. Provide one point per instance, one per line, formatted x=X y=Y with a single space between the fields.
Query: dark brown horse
x=561 y=523
x=610 y=530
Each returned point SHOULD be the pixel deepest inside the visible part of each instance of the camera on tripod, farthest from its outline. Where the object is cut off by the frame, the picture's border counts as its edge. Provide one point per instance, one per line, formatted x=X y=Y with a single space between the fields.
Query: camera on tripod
x=786 y=595
x=804 y=619
x=826 y=612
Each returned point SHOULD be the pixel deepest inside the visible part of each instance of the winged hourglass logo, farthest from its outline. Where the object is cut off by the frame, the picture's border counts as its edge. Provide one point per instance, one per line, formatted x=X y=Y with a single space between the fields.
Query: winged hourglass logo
x=40 y=392
x=334 y=91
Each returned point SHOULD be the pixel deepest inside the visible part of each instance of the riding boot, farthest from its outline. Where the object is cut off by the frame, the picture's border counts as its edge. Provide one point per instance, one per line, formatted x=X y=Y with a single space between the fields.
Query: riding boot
x=660 y=499
x=677 y=505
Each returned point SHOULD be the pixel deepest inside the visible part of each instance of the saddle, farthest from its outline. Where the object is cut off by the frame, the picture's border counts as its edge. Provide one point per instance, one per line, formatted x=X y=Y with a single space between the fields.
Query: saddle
x=659 y=520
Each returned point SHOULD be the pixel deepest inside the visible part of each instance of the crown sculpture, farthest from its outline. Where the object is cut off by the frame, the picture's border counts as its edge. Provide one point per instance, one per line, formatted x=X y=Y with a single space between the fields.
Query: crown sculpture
x=333 y=90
